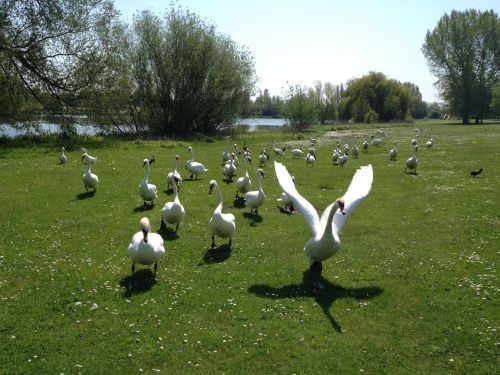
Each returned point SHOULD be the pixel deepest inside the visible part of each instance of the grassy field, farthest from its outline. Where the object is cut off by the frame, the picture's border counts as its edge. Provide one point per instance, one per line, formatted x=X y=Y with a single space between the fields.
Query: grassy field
x=414 y=289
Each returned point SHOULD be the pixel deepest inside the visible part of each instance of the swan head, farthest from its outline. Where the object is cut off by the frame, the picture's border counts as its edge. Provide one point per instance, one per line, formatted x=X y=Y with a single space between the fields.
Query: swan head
x=341 y=204
x=83 y=156
x=146 y=162
x=152 y=160
x=145 y=227
x=177 y=157
x=211 y=187
x=261 y=172
x=84 y=150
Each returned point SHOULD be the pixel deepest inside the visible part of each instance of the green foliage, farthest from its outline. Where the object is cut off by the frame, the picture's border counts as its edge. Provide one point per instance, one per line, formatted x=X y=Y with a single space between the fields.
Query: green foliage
x=187 y=76
x=267 y=106
x=413 y=290
x=299 y=107
x=370 y=117
x=463 y=52
x=495 y=100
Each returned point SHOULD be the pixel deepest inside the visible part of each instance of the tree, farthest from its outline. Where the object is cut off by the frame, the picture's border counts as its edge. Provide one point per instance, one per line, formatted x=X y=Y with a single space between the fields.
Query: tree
x=418 y=108
x=51 y=50
x=267 y=106
x=495 y=100
x=463 y=52
x=187 y=77
x=299 y=107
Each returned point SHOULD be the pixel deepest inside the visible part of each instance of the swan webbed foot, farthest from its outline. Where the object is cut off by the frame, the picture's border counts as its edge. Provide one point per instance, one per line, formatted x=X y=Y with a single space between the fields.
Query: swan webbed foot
x=230 y=241
x=176 y=227
x=316 y=269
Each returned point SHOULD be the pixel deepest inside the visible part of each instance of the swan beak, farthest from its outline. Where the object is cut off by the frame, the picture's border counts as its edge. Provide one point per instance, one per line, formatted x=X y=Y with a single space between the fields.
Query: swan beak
x=145 y=236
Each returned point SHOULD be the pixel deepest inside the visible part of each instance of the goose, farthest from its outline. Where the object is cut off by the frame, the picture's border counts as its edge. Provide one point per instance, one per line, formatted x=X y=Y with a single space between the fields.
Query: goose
x=221 y=225
x=226 y=155
x=297 y=152
x=87 y=159
x=429 y=143
x=310 y=159
x=263 y=158
x=173 y=212
x=62 y=158
x=243 y=184
x=412 y=163
x=194 y=167
x=393 y=152
x=230 y=168
x=325 y=239
x=174 y=173
x=146 y=247
x=342 y=159
x=90 y=180
x=255 y=199
x=147 y=191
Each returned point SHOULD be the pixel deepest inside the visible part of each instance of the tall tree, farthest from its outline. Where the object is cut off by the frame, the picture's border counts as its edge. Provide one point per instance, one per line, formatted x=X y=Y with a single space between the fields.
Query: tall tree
x=299 y=107
x=463 y=52
x=53 y=48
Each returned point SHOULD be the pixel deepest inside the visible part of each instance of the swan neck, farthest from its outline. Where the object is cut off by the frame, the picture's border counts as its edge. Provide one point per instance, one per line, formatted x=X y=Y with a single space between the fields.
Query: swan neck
x=328 y=228
x=219 y=197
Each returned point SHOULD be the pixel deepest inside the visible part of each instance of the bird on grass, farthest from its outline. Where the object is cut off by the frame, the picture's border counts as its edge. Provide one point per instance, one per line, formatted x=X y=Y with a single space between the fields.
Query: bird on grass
x=256 y=198
x=325 y=240
x=147 y=191
x=173 y=212
x=146 y=247
x=90 y=180
x=62 y=158
x=221 y=225
x=412 y=163
x=476 y=173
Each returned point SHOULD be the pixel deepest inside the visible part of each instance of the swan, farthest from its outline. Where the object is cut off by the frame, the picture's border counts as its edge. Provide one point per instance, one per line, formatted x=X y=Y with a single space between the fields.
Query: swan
x=297 y=152
x=286 y=201
x=342 y=159
x=236 y=162
x=377 y=142
x=230 y=168
x=243 y=184
x=355 y=149
x=314 y=141
x=412 y=163
x=226 y=155
x=364 y=145
x=336 y=154
x=147 y=191
x=255 y=199
x=393 y=152
x=62 y=158
x=146 y=247
x=194 y=167
x=310 y=159
x=429 y=143
x=90 y=180
x=86 y=158
x=325 y=239
x=263 y=158
x=178 y=178
x=278 y=151
x=173 y=212
x=221 y=225
x=414 y=141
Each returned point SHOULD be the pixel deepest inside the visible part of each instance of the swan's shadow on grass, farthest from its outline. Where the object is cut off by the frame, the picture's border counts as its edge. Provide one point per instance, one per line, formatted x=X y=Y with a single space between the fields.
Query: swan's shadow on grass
x=228 y=181
x=167 y=233
x=287 y=212
x=217 y=254
x=325 y=298
x=414 y=173
x=140 y=282
x=239 y=202
x=86 y=195
x=254 y=218
x=144 y=208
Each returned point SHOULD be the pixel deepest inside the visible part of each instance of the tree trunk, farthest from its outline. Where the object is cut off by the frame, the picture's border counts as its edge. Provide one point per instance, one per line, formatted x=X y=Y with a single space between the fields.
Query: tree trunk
x=465 y=119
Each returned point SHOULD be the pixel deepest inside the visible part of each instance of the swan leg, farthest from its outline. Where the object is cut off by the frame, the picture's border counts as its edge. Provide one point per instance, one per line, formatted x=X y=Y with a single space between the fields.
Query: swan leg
x=155 y=268
x=230 y=241
x=176 y=227
x=163 y=226
x=316 y=269
x=133 y=268
x=191 y=177
x=213 y=245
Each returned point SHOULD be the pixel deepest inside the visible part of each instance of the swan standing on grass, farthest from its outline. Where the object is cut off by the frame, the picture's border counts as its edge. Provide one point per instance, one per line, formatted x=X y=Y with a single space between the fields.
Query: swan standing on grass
x=86 y=158
x=364 y=145
x=62 y=158
x=297 y=152
x=147 y=191
x=243 y=184
x=226 y=155
x=194 y=167
x=90 y=180
x=286 y=201
x=355 y=149
x=310 y=159
x=221 y=225
x=342 y=159
x=174 y=173
x=263 y=158
x=172 y=212
x=429 y=143
x=412 y=163
x=146 y=247
x=325 y=239
x=229 y=168
x=255 y=199
x=393 y=152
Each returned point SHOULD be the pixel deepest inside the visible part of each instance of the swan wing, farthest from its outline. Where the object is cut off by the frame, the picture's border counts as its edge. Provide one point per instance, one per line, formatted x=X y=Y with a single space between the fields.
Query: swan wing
x=358 y=190
x=307 y=209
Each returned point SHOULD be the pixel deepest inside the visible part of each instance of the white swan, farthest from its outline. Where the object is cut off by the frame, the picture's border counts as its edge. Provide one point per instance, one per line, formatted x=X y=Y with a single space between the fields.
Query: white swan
x=393 y=152
x=236 y=162
x=62 y=158
x=243 y=184
x=226 y=155
x=377 y=142
x=297 y=152
x=325 y=239
x=364 y=145
x=90 y=180
x=355 y=149
x=255 y=199
x=230 y=168
x=194 y=167
x=146 y=247
x=429 y=143
x=173 y=212
x=263 y=158
x=412 y=163
x=310 y=159
x=221 y=225
x=86 y=158
x=286 y=201
x=342 y=159
x=174 y=173
x=147 y=191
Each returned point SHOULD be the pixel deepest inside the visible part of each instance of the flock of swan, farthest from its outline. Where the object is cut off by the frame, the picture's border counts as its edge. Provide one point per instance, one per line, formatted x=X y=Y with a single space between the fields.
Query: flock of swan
x=147 y=248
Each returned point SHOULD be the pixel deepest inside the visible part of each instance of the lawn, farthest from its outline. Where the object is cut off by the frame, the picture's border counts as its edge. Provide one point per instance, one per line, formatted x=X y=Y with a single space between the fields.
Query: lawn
x=413 y=290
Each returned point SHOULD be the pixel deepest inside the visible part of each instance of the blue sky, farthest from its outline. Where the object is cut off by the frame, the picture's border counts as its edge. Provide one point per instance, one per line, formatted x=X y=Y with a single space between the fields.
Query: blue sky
x=299 y=42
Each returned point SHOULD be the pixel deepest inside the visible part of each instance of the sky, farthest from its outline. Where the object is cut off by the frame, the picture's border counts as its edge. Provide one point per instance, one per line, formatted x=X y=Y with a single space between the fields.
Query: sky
x=303 y=41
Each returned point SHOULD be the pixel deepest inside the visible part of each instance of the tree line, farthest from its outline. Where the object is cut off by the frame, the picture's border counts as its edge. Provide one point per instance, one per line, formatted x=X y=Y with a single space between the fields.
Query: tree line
x=177 y=74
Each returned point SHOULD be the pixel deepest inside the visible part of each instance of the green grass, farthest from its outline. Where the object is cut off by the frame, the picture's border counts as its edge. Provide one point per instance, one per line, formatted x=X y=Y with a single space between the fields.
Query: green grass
x=413 y=290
